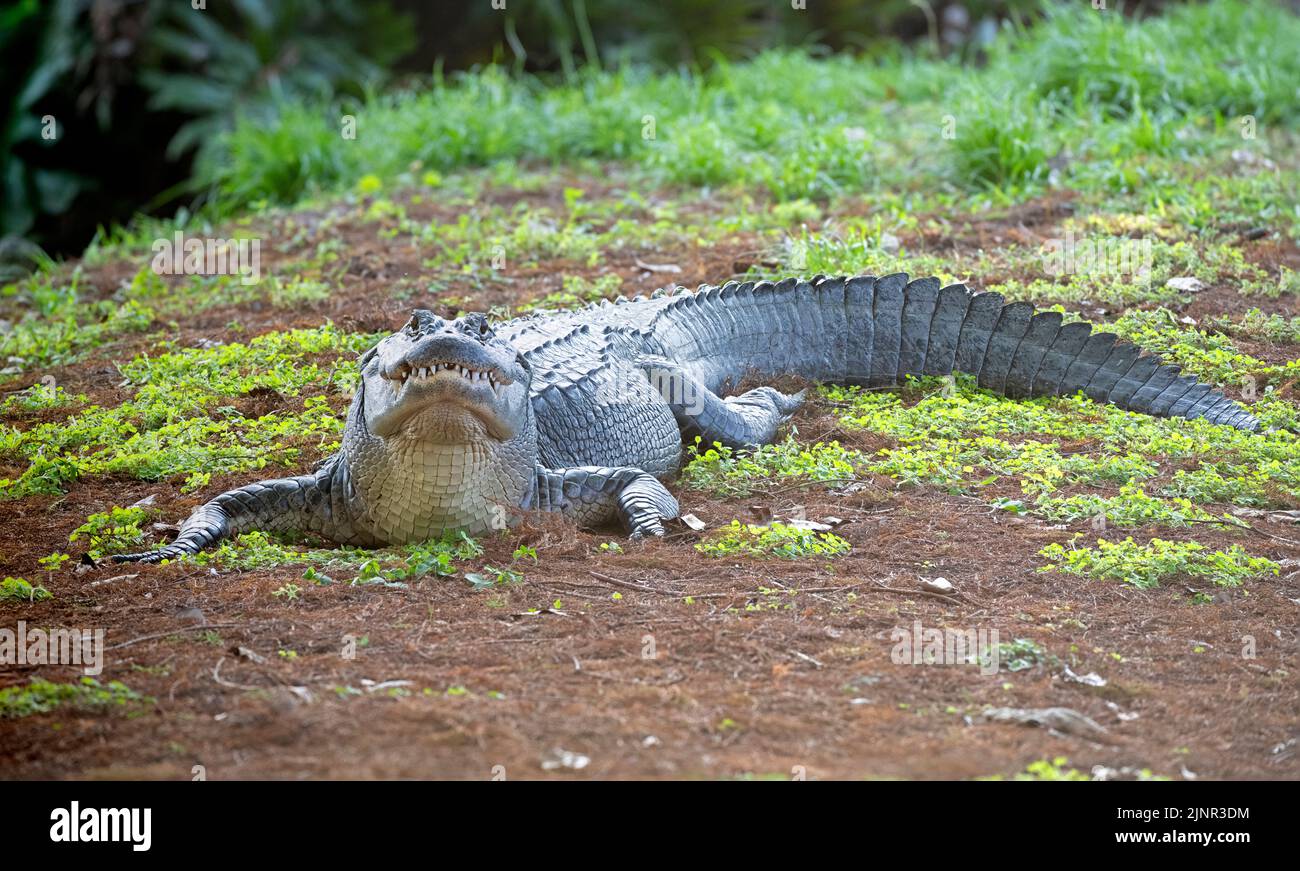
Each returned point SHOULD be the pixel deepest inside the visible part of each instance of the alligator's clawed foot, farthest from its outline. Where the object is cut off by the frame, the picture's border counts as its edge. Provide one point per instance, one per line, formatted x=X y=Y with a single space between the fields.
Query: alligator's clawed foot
x=643 y=505
x=652 y=528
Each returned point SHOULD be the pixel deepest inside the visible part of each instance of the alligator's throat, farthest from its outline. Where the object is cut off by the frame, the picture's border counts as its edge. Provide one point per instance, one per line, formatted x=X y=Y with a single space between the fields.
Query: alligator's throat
x=414 y=490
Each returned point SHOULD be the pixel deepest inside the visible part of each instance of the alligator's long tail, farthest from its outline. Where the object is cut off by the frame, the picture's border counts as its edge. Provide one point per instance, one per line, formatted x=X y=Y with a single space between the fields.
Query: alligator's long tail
x=874 y=331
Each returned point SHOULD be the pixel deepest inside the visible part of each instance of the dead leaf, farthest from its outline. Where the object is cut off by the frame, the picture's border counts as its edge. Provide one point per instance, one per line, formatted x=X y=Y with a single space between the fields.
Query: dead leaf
x=809 y=524
x=693 y=522
x=937 y=585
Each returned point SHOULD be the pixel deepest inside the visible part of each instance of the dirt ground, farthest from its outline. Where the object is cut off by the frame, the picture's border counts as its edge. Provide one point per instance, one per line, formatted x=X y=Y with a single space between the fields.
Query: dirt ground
x=656 y=662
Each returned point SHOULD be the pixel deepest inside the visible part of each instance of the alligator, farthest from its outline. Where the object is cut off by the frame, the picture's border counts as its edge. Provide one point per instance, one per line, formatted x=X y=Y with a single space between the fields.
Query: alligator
x=458 y=425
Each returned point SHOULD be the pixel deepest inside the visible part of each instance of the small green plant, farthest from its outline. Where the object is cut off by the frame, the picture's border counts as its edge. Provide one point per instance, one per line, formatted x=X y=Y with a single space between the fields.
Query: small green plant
x=394 y=565
x=115 y=531
x=491 y=576
x=289 y=592
x=777 y=539
x=21 y=590
x=728 y=472
x=320 y=579
x=39 y=397
x=1148 y=566
x=1133 y=506
x=54 y=561
x=40 y=696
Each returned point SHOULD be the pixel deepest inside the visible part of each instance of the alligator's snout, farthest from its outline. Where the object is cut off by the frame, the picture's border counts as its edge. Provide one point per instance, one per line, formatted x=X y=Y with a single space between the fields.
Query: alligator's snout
x=448 y=354
x=446 y=381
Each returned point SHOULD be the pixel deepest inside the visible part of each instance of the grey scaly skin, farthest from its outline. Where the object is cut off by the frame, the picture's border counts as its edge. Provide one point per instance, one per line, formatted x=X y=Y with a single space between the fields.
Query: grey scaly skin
x=459 y=427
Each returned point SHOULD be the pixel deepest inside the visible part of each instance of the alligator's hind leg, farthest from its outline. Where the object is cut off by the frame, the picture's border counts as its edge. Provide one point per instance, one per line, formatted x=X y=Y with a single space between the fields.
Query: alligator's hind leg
x=738 y=421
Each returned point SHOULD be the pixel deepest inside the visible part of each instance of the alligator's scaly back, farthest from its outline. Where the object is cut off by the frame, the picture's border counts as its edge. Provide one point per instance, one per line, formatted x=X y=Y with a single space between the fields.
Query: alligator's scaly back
x=875 y=331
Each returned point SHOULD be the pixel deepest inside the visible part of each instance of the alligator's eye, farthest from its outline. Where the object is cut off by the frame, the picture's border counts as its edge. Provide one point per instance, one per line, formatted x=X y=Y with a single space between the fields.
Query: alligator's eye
x=477 y=324
x=412 y=326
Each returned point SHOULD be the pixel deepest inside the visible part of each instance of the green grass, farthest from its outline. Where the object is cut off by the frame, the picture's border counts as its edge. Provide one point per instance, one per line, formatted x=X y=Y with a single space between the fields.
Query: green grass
x=1072 y=459
x=727 y=472
x=1159 y=562
x=179 y=421
x=389 y=566
x=774 y=540
x=40 y=697
x=39 y=397
x=1103 y=86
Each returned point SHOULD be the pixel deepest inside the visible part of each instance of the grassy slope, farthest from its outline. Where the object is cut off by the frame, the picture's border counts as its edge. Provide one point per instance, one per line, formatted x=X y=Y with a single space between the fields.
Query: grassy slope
x=818 y=166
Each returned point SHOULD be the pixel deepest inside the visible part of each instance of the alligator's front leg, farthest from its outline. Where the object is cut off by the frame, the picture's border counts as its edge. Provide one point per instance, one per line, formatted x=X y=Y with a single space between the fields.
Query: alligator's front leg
x=592 y=495
x=306 y=503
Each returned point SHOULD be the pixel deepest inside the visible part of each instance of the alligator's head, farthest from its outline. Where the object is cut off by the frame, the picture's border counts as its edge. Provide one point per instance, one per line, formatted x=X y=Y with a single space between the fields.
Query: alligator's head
x=449 y=382
x=441 y=433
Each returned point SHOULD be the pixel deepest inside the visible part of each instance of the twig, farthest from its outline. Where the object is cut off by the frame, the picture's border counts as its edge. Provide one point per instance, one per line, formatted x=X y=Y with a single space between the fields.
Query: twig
x=216 y=675
x=629 y=584
x=882 y=588
x=806 y=658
